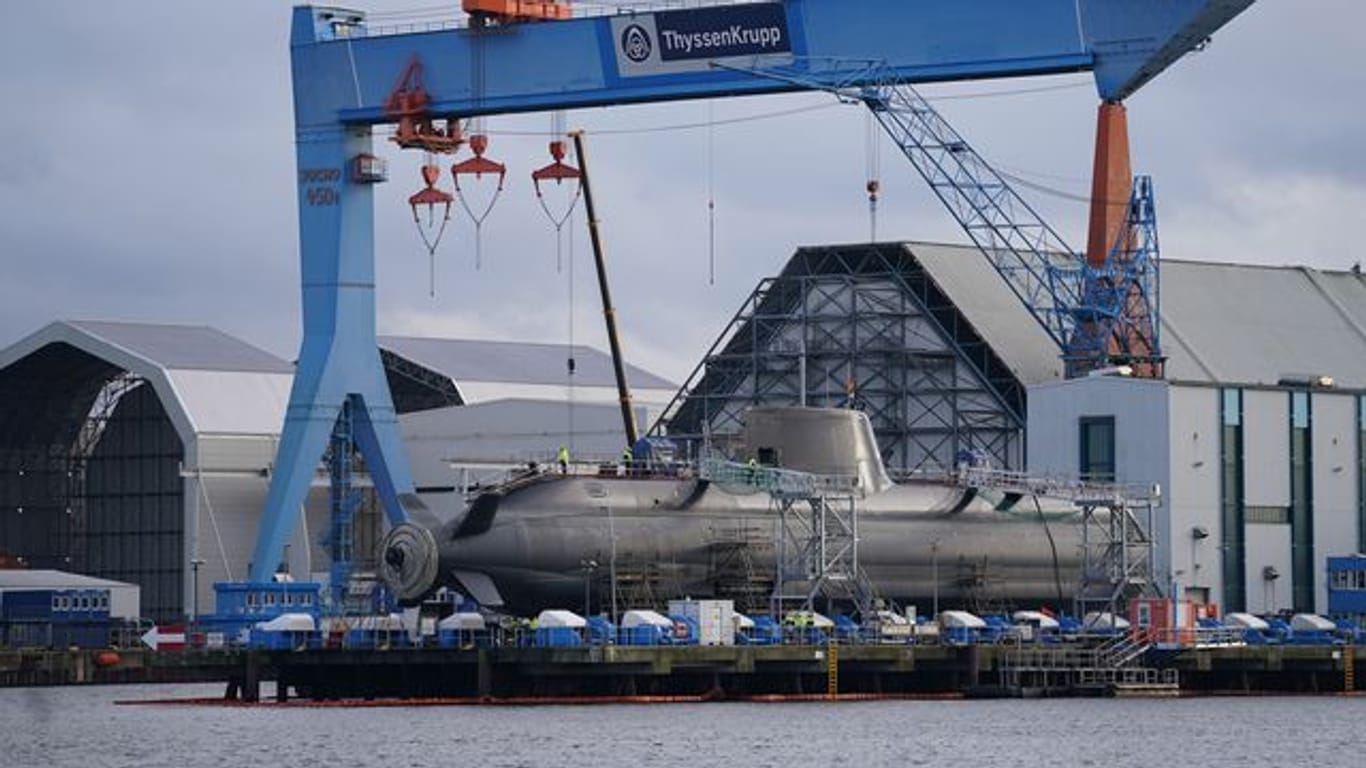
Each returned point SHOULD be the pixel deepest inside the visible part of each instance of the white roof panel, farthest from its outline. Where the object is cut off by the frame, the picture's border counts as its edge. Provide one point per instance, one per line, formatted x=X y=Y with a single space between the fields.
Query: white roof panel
x=982 y=296
x=1221 y=323
x=186 y=346
x=230 y=402
x=465 y=360
x=43 y=579
x=1242 y=324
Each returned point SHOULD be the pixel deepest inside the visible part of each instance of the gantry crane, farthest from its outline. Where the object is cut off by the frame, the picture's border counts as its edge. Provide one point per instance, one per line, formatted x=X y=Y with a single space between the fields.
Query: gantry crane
x=518 y=60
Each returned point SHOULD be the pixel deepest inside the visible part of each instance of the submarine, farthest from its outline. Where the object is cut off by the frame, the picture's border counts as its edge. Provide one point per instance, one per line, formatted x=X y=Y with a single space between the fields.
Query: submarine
x=546 y=538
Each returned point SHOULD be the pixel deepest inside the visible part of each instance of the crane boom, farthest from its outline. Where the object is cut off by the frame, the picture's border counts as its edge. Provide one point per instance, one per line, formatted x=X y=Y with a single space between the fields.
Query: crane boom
x=344 y=68
x=1035 y=262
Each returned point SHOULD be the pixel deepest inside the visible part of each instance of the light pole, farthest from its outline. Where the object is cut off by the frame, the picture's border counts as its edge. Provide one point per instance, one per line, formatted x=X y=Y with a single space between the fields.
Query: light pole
x=194 y=596
x=589 y=566
x=934 y=567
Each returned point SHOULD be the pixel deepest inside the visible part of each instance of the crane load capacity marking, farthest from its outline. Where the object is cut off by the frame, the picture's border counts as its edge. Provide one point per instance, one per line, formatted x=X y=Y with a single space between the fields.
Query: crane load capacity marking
x=320 y=185
x=688 y=41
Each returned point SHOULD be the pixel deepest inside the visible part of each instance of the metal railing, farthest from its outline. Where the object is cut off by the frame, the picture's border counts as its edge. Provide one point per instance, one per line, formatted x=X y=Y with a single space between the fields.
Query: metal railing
x=382 y=25
x=1056 y=486
x=785 y=483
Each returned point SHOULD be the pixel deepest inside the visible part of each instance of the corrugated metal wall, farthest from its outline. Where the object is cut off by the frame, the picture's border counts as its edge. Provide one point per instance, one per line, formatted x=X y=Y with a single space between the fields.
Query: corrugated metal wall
x=135 y=524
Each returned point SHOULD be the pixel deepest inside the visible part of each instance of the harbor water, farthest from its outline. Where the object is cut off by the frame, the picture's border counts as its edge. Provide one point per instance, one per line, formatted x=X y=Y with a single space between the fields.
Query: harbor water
x=85 y=727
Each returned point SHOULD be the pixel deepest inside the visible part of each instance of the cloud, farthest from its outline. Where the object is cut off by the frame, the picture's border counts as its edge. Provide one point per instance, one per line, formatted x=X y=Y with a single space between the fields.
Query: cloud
x=1274 y=219
x=148 y=174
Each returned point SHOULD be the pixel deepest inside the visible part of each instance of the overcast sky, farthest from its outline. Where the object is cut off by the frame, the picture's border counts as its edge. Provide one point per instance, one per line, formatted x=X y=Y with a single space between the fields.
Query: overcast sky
x=147 y=174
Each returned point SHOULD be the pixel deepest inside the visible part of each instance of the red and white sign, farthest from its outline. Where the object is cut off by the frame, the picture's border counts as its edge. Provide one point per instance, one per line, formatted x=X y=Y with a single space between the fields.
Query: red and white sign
x=168 y=638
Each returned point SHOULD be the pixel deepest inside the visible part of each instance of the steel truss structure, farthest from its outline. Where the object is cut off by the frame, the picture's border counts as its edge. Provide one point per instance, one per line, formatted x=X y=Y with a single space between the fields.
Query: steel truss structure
x=1098 y=315
x=817 y=537
x=860 y=326
x=818 y=550
x=1118 y=558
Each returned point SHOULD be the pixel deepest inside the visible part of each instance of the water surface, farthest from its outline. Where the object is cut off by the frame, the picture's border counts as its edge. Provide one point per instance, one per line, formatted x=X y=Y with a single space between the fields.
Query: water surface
x=82 y=727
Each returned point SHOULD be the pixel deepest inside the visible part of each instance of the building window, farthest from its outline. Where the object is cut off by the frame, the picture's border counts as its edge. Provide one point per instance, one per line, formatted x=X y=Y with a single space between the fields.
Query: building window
x=1302 y=500
x=1232 y=538
x=1267 y=515
x=1098 y=448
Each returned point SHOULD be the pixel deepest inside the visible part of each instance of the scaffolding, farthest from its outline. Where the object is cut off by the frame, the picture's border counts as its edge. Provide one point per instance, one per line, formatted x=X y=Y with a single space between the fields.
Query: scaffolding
x=1118 y=556
x=817 y=540
x=735 y=553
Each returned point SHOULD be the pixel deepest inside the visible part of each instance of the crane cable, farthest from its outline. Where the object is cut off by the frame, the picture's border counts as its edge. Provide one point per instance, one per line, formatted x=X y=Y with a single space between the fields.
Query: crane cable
x=711 y=192
x=570 y=363
x=873 y=150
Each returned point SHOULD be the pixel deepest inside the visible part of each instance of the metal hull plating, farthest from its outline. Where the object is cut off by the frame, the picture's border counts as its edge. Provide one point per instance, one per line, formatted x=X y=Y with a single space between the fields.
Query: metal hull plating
x=669 y=537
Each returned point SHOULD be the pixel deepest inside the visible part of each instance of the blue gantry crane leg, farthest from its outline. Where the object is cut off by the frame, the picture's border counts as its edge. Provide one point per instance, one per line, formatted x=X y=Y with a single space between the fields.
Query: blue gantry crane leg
x=339 y=361
x=343 y=70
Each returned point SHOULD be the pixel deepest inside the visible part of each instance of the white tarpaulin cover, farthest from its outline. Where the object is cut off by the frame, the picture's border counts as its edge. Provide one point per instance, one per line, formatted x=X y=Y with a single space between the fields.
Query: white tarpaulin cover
x=288 y=622
x=560 y=619
x=1104 y=620
x=466 y=621
x=1043 y=620
x=961 y=619
x=1308 y=622
x=1245 y=621
x=634 y=619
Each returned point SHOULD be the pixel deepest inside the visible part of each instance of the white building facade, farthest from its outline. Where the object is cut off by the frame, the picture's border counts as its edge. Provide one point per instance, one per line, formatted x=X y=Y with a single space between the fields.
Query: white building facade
x=1256 y=437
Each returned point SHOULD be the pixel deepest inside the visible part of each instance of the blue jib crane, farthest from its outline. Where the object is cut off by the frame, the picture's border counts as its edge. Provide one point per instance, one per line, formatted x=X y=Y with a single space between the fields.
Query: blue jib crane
x=345 y=70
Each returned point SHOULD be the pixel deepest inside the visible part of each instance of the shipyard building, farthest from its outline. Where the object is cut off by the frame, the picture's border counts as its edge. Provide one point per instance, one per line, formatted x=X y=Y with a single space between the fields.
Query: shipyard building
x=142 y=453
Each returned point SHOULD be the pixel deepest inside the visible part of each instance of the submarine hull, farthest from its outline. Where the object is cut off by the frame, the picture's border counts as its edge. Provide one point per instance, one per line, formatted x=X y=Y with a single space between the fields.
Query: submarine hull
x=551 y=539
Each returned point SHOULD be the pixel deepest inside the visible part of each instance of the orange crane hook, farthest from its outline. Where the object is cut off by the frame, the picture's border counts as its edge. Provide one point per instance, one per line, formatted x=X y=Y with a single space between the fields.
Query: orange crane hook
x=431 y=232
x=477 y=167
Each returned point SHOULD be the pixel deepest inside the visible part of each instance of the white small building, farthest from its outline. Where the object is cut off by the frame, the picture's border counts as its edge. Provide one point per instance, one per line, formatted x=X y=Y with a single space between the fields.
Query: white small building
x=1255 y=438
x=125 y=600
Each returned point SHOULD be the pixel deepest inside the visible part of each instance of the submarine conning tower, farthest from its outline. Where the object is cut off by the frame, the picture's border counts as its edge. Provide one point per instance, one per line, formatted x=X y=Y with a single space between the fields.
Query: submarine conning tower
x=822 y=441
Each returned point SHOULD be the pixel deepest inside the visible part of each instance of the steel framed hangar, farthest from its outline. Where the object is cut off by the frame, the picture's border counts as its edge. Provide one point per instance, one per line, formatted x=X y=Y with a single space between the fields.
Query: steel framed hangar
x=142 y=452
x=133 y=452
x=1257 y=436
x=896 y=330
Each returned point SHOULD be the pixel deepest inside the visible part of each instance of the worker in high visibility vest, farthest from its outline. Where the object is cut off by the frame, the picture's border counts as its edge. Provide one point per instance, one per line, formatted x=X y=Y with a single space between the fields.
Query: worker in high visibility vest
x=563 y=458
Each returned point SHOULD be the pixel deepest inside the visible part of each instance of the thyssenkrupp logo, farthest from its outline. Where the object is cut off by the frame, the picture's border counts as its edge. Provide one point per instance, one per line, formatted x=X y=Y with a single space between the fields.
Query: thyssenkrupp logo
x=635 y=43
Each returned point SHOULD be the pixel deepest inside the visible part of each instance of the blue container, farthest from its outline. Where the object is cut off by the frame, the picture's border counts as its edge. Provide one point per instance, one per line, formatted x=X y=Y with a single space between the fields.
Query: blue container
x=645 y=634
x=766 y=631
x=558 y=637
x=962 y=635
x=283 y=641
x=463 y=638
x=846 y=629
x=601 y=631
